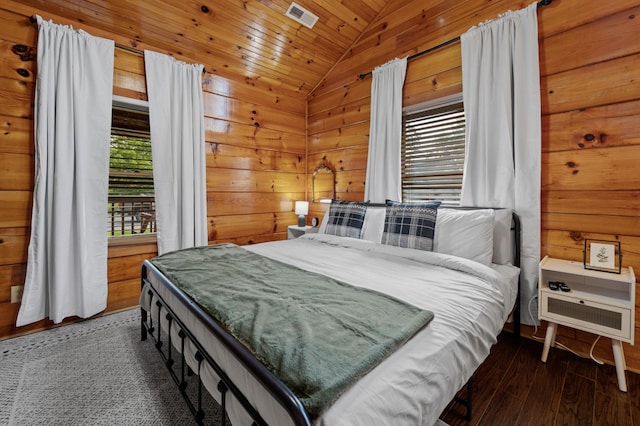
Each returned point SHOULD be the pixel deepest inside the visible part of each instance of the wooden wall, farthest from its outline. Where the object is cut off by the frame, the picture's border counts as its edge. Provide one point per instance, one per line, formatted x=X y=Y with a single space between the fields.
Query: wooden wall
x=590 y=79
x=255 y=135
x=258 y=162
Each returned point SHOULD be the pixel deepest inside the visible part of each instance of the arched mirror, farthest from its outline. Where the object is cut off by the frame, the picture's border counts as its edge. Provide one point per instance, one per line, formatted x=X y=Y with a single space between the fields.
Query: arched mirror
x=323 y=184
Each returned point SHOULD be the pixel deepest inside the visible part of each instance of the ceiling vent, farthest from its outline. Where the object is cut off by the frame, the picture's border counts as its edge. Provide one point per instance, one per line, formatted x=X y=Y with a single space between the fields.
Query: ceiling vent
x=302 y=15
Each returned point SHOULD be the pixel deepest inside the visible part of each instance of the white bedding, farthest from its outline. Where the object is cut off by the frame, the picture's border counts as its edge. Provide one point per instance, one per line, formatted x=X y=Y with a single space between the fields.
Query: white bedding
x=471 y=303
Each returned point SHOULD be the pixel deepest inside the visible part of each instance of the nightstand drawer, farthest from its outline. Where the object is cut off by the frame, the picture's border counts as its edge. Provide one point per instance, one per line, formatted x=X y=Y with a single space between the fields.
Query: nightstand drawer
x=606 y=320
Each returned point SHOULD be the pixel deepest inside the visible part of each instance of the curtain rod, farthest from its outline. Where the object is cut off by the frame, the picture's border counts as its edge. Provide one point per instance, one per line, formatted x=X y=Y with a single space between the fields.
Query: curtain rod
x=33 y=20
x=446 y=43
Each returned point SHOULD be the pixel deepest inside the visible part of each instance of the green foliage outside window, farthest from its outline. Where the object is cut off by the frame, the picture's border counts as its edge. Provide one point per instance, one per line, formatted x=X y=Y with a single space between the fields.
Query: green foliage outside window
x=130 y=166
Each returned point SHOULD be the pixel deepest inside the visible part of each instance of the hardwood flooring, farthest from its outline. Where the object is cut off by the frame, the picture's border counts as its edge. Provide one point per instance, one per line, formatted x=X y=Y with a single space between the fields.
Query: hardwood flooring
x=513 y=387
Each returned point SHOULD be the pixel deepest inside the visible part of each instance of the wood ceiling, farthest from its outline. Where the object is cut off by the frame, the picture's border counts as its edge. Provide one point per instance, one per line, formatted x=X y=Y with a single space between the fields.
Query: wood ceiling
x=249 y=38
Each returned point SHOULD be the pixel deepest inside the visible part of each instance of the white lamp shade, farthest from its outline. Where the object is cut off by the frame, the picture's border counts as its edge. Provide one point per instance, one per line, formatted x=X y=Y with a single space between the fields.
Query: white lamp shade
x=302 y=207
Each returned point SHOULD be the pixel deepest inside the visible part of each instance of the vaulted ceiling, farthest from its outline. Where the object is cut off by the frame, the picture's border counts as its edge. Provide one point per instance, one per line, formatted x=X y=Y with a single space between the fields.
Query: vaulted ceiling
x=249 y=38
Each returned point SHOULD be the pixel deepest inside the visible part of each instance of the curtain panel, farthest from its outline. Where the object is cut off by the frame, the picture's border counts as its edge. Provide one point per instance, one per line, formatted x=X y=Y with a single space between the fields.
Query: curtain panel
x=501 y=92
x=67 y=255
x=176 y=119
x=383 y=177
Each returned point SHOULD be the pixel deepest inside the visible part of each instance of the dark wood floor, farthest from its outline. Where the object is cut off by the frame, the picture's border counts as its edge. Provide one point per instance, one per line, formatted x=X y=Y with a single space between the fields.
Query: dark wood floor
x=513 y=387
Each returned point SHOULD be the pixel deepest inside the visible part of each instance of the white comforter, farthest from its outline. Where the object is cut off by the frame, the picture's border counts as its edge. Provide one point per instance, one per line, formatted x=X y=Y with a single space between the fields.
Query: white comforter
x=412 y=386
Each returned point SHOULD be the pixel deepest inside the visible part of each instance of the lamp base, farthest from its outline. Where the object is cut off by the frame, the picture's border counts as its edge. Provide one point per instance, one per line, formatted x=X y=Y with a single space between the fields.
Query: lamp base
x=301 y=220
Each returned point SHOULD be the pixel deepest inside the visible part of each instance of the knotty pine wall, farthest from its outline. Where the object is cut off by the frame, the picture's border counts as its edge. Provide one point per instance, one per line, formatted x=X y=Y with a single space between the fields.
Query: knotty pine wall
x=590 y=79
x=255 y=143
x=590 y=66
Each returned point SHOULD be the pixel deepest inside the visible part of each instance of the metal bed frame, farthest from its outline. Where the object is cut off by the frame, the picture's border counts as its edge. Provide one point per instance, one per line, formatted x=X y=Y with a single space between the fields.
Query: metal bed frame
x=280 y=392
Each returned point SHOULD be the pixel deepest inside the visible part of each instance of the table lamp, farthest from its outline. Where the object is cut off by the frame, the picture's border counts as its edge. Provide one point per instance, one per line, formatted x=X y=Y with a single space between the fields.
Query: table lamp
x=302 y=209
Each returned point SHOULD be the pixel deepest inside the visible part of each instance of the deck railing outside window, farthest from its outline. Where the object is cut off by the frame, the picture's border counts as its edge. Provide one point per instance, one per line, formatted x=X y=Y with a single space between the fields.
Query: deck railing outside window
x=129 y=215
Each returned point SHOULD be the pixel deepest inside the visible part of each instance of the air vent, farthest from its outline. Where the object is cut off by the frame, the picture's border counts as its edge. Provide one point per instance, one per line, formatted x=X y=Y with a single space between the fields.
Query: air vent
x=302 y=15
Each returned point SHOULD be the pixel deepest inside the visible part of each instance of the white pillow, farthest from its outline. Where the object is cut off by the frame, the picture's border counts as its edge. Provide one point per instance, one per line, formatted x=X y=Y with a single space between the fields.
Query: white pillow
x=502 y=239
x=323 y=224
x=465 y=233
x=374 y=223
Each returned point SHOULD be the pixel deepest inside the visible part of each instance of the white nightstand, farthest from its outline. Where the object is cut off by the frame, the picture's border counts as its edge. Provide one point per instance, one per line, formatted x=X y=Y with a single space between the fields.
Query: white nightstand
x=599 y=302
x=295 y=231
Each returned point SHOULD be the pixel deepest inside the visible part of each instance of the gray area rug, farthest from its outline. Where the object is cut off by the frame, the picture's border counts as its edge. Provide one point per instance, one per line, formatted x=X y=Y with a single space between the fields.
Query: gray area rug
x=96 y=372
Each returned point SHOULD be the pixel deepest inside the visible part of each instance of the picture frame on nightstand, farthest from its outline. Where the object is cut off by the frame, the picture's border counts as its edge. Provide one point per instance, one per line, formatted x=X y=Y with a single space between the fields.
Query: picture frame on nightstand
x=602 y=255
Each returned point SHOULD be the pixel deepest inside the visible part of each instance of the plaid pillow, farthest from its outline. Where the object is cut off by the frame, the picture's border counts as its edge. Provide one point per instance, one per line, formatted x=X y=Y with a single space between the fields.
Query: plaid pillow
x=346 y=218
x=410 y=225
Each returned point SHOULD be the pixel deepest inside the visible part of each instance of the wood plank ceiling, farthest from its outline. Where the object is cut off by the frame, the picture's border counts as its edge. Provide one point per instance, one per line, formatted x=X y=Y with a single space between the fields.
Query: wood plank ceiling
x=249 y=38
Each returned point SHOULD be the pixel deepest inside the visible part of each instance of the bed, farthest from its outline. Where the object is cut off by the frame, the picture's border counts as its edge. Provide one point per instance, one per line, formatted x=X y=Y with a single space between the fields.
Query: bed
x=464 y=272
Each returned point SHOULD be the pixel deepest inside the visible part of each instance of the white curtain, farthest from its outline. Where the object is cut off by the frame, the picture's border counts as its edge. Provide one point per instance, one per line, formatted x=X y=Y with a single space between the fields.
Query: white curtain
x=176 y=119
x=67 y=256
x=383 y=180
x=501 y=92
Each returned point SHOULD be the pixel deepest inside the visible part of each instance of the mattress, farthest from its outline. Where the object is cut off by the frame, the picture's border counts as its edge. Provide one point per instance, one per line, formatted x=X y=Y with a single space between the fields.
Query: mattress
x=471 y=303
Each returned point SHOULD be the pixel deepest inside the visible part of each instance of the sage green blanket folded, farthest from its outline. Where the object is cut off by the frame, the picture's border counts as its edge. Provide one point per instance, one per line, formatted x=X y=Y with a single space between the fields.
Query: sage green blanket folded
x=317 y=334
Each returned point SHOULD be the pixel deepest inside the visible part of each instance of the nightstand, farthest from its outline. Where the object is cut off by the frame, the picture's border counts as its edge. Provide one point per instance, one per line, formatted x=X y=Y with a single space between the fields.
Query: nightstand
x=599 y=302
x=294 y=231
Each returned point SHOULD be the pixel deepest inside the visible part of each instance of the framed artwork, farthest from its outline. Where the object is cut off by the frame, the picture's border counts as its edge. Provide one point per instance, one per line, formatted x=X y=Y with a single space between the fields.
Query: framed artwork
x=602 y=255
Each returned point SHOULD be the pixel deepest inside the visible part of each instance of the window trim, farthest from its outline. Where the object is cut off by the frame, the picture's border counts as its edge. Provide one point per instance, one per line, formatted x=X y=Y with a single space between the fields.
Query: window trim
x=130 y=103
x=132 y=240
x=433 y=104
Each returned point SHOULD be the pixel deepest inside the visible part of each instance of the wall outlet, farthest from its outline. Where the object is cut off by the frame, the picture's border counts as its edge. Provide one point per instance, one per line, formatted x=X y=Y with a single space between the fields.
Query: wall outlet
x=16 y=293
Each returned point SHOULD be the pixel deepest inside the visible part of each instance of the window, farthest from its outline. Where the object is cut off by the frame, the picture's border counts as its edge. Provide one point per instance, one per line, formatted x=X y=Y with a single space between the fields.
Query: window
x=433 y=154
x=131 y=204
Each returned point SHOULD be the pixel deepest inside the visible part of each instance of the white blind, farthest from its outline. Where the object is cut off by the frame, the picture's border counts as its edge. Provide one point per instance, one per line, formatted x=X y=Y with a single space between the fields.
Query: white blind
x=433 y=155
x=130 y=162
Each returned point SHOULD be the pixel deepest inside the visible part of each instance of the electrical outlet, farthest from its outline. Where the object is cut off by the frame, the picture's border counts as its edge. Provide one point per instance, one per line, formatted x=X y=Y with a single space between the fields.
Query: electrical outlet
x=16 y=293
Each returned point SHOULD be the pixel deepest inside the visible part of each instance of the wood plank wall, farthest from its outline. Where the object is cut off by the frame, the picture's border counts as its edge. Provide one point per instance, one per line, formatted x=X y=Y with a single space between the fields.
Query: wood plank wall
x=256 y=163
x=590 y=77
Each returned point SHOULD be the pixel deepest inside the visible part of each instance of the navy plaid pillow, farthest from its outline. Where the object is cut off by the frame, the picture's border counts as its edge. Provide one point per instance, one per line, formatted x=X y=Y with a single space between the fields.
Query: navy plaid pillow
x=410 y=225
x=346 y=218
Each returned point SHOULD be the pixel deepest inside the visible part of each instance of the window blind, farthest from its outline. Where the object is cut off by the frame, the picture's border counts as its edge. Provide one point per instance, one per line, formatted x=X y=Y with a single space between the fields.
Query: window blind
x=433 y=155
x=130 y=165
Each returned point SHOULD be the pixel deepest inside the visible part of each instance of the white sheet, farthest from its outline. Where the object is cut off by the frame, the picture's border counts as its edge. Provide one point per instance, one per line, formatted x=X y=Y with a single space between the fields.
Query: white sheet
x=470 y=301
